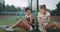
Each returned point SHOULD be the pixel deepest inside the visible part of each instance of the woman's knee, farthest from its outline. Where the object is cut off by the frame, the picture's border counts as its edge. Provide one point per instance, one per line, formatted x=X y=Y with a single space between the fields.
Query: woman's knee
x=49 y=26
x=55 y=22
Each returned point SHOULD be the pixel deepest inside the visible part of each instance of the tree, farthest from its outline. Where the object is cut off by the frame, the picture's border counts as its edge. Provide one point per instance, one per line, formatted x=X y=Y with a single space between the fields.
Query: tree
x=2 y=6
x=19 y=9
x=58 y=8
x=56 y=11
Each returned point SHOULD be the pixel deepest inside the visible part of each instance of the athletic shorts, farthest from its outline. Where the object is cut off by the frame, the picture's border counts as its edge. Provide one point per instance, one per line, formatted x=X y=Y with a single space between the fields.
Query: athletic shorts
x=45 y=24
x=40 y=26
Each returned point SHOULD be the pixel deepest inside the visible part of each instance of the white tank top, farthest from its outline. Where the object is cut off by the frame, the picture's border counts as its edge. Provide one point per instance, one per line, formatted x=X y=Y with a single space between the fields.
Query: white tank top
x=43 y=16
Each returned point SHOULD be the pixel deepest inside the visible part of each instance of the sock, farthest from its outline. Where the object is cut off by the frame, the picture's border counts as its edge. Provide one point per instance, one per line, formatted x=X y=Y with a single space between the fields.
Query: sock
x=10 y=29
x=31 y=28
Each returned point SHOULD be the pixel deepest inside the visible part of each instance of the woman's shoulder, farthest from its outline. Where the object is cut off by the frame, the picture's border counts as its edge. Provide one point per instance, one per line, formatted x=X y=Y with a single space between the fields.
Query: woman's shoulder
x=48 y=12
x=31 y=15
x=39 y=12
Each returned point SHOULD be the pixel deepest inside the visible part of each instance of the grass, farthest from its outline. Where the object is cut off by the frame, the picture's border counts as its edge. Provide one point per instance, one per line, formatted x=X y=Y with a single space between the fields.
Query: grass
x=8 y=21
x=55 y=20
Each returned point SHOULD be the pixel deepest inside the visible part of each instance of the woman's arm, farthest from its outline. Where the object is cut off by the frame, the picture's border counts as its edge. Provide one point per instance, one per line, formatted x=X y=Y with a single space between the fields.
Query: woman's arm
x=48 y=19
x=31 y=18
x=40 y=20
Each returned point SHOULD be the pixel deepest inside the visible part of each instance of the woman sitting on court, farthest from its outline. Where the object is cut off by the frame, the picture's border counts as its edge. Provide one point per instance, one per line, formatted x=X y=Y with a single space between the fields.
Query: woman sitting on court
x=44 y=19
x=26 y=23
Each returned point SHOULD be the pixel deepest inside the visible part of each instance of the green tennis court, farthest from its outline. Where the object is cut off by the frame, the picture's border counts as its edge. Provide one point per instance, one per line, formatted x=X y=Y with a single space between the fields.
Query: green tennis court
x=9 y=20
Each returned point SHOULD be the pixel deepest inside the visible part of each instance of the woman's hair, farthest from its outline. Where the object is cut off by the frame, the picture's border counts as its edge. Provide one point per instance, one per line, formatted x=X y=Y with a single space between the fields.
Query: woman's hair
x=43 y=6
x=26 y=9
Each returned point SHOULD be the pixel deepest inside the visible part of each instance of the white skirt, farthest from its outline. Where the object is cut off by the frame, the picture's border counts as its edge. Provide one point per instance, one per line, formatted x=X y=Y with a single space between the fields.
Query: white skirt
x=40 y=26
x=45 y=24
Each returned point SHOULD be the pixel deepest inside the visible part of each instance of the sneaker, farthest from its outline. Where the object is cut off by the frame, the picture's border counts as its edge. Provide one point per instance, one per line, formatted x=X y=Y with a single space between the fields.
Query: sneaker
x=9 y=29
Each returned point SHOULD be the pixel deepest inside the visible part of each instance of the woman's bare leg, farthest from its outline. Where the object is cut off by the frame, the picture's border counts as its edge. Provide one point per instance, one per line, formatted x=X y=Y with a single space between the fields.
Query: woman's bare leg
x=54 y=24
x=49 y=26
x=57 y=25
x=22 y=24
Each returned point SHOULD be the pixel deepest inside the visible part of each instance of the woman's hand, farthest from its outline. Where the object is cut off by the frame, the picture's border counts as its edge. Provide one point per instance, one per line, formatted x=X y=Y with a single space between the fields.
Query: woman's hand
x=30 y=23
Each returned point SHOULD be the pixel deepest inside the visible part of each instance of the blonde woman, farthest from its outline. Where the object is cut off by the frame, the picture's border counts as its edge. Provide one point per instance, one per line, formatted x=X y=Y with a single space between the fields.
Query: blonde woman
x=44 y=19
